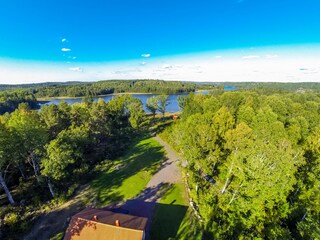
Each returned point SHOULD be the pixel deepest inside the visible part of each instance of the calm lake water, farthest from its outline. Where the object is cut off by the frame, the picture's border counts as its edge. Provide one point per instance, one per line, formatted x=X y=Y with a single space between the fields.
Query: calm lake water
x=172 y=100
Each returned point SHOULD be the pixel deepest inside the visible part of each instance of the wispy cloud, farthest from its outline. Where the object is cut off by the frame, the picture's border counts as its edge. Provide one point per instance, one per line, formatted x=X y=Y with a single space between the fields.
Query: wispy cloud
x=76 y=69
x=251 y=57
x=146 y=55
x=143 y=63
x=65 y=49
x=64 y=40
x=269 y=56
x=167 y=66
x=127 y=71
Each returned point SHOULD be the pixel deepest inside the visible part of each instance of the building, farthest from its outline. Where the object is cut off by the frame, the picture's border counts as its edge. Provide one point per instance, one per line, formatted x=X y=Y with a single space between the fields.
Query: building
x=100 y=224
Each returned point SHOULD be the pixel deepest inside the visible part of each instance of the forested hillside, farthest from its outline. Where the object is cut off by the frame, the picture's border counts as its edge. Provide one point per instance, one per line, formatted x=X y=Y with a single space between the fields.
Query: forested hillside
x=106 y=87
x=253 y=163
x=46 y=154
x=275 y=86
x=9 y=101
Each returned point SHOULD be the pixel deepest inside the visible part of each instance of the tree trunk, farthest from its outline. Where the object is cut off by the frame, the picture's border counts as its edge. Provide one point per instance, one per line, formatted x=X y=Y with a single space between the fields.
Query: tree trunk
x=35 y=165
x=304 y=216
x=225 y=186
x=21 y=169
x=228 y=180
x=50 y=188
x=6 y=189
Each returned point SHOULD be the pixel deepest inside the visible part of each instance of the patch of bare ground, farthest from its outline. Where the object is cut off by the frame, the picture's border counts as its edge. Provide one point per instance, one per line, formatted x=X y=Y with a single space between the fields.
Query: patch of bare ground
x=55 y=220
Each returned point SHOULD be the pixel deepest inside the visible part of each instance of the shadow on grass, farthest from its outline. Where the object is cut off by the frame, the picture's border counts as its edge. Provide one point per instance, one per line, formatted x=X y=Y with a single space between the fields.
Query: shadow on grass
x=166 y=218
x=49 y=224
x=161 y=126
x=142 y=160
x=166 y=224
x=143 y=205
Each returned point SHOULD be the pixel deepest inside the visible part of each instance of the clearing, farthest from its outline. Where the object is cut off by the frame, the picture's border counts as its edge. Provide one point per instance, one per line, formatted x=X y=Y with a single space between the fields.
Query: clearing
x=144 y=181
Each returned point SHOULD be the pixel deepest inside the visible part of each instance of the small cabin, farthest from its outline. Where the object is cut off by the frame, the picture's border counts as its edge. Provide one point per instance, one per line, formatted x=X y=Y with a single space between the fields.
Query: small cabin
x=175 y=117
x=100 y=224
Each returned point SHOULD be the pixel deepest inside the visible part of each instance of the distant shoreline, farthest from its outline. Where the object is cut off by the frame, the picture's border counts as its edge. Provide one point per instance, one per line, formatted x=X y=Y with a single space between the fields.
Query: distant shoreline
x=105 y=95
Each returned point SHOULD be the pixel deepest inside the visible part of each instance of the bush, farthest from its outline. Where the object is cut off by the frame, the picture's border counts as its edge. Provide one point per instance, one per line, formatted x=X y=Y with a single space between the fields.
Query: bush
x=11 y=219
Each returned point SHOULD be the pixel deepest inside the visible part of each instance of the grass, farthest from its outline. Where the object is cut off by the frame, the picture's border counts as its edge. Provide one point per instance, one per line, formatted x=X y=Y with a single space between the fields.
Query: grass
x=114 y=182
x=173 y=218
x=58 y=236
x=130 y=174
x=169 y=213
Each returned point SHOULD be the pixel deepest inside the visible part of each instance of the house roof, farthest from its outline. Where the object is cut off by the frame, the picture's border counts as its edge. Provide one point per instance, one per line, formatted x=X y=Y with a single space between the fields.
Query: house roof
x=99 y=224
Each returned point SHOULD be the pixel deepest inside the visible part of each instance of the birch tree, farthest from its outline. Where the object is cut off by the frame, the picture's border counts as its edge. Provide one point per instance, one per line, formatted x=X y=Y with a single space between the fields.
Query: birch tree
x=5 y=152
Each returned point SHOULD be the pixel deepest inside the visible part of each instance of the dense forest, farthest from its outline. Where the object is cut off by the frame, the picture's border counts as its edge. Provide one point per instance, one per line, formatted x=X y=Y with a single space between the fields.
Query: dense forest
x=45 y=154
x=252 y=163
x=83 y=89
x=9 y=101
x=106 y=87
x=274 y=86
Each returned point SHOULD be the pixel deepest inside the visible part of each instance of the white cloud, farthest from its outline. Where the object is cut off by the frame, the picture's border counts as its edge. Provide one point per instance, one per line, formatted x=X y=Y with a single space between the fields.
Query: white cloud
x=65 y=49
x=269 y=56
x=250 y=57
x=167 y=66
x=146 y=55
x=76 y=69
x=218 y=57
x=64 y=40
x=291 y=65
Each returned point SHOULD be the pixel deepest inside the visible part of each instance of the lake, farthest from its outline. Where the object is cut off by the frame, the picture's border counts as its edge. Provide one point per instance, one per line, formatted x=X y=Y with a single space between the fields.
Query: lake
x=172 y=100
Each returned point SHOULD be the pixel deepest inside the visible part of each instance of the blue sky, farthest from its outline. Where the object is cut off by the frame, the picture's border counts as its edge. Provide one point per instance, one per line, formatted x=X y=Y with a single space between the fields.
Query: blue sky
x=120 y=34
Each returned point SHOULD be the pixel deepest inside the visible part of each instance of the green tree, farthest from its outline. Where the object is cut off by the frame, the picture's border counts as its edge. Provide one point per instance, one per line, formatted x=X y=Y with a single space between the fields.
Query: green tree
x=162 y=103
x=30 y=134
x=5 y=156
x=308 y=222
x=66 y=155
x=137 y=114
x=152 y=105
x=252 y=165
x=181 y=99
x=56 y=117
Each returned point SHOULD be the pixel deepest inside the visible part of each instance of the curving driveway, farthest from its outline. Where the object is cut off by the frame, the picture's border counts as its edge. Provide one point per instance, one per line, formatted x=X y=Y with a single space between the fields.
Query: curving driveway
x=168 y=174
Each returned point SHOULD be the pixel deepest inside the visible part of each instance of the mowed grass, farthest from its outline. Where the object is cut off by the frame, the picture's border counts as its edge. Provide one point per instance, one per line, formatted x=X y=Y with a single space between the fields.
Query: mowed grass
x=169 y=213
x=127 y=176
x=173 y=218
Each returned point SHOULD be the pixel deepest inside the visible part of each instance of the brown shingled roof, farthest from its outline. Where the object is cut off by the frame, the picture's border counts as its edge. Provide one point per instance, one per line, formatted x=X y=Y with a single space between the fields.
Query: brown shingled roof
x=99 y=224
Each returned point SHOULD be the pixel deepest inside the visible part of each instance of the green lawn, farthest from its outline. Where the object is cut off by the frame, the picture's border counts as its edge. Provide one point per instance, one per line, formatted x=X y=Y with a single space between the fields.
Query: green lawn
x=173 y=218
x=128 y=176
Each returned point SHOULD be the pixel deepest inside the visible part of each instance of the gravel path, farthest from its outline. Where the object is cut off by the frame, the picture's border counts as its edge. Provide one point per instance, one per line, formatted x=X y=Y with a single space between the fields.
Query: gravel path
x=169 y=170
x=168 y=174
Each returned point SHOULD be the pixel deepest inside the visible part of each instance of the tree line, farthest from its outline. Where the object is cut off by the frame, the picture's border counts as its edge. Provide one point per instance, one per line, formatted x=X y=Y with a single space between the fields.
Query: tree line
x=252 y=162
x=114 y=86
x=57 y=145
x=9 y=101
